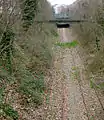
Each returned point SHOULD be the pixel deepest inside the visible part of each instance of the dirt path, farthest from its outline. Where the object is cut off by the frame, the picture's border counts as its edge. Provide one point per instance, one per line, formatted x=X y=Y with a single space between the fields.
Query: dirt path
x=71 y=97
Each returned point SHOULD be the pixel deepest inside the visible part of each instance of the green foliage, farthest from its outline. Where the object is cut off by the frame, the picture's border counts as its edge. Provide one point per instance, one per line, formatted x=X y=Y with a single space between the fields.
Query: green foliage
x=24 y=53
x=7 y=110
x=96 y=85
x=29 y=8
x=32 y=86
x=54 y=33
x=5 y=79
x=97 y=44
x=92 y=85
x=101 y=86
x=5 y=76
x=7 y=40
x=100 y=17
x=90 y=35
x=6 y=48
x=1 y=95
x=67 y=44
x=75 y=73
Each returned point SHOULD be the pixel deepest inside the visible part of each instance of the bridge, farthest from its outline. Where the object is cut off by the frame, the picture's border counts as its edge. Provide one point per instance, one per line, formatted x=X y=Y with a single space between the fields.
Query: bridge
x=61 y=23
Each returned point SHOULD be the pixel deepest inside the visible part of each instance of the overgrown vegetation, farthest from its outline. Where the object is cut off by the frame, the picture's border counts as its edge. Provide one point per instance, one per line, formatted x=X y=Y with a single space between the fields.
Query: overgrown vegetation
x=33 y=86
x=29 y=10
x=25 y=53
x=90 y=34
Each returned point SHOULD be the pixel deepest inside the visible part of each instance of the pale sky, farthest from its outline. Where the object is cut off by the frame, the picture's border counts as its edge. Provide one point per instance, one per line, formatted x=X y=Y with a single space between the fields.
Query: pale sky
x=66 y=2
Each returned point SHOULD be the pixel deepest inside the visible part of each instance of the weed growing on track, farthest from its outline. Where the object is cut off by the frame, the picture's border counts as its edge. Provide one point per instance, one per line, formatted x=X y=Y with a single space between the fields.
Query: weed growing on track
x=95 y=85
x=75 y=73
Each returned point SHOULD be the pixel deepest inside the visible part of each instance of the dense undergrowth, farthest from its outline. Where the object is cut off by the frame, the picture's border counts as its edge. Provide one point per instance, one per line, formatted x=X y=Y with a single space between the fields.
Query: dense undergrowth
x=90 y=36
x=25 y=54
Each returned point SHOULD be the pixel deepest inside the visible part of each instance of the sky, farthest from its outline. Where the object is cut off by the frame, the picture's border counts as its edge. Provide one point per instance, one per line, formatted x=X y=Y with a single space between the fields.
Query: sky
x=66 y=2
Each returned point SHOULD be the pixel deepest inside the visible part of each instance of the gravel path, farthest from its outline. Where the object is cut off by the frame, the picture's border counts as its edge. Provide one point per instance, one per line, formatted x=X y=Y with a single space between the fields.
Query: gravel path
x=71 y=97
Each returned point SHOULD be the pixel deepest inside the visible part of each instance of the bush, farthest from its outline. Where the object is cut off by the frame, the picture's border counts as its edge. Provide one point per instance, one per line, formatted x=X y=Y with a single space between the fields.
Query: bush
x=90 y=34
x=25 y=50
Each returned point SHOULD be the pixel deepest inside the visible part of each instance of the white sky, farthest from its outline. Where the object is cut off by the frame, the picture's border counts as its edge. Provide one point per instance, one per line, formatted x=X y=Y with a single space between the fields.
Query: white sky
x=66 y=2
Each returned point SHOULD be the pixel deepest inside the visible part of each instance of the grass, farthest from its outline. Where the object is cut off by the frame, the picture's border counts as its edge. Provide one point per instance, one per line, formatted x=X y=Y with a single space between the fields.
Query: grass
x=67 y=44
x=7 y=111
x=92 y=85
x=97 y=86
x=75 y=73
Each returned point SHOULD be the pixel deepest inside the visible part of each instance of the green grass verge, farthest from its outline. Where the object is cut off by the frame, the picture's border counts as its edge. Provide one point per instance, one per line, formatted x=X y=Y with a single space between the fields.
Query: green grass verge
x=67 y=44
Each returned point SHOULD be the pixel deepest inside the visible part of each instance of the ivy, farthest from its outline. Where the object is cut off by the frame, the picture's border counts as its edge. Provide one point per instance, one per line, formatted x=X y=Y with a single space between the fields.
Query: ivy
x=29 y=10
x=7 y=110
x=6 y=47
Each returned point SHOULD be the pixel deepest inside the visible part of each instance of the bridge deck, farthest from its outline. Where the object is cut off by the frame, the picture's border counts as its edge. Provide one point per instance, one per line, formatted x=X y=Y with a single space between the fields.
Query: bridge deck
x=61 y=21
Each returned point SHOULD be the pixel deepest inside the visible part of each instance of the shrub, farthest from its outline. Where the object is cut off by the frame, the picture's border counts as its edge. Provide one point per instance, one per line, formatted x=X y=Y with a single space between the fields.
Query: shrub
x=25 y=50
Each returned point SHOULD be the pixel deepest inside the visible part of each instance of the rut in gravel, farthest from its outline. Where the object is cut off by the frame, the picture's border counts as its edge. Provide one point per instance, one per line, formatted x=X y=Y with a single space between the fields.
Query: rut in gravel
x=71 y=97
